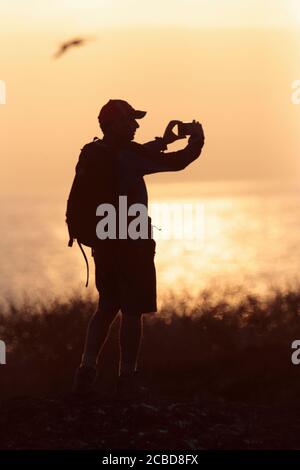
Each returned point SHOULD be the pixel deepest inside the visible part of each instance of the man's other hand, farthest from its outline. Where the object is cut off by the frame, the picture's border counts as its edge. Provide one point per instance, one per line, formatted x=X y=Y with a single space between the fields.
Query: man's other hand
x=169 y=136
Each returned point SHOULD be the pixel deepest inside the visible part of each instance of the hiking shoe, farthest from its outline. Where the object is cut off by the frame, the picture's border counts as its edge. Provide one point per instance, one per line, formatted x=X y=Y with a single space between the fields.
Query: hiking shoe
x=84 y=380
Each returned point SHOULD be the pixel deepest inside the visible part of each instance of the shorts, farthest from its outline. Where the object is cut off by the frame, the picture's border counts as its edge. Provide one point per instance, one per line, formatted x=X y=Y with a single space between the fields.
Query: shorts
x=125 y=275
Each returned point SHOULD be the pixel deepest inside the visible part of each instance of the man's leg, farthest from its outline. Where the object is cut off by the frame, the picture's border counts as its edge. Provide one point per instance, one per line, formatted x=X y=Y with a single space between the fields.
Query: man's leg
x=130 y=342
x=97 y=334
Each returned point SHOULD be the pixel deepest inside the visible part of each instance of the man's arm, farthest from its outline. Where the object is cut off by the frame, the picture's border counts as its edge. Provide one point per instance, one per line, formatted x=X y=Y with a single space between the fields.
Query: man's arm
x=155 y=146
x=156 y=160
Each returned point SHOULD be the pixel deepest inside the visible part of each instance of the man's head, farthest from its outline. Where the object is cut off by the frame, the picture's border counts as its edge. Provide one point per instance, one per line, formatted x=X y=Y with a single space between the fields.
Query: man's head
x=118 y=119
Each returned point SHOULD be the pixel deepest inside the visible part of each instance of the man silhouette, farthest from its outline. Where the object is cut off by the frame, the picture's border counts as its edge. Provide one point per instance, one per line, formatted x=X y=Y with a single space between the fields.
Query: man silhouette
x=124 y=268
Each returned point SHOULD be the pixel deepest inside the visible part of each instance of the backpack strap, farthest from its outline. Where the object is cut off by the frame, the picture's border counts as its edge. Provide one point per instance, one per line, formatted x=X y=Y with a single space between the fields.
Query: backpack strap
x=71 y=238
x=86 y=261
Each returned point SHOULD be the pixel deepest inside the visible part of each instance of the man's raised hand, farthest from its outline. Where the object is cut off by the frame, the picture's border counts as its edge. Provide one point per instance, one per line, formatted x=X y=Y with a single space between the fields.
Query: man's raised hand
x=197 y=135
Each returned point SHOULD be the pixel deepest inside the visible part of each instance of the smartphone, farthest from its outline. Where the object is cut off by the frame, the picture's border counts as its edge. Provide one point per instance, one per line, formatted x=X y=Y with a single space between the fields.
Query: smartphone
x=186 y=128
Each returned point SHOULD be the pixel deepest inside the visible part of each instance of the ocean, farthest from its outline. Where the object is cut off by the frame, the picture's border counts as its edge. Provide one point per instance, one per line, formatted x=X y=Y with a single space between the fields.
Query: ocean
x=248 y=242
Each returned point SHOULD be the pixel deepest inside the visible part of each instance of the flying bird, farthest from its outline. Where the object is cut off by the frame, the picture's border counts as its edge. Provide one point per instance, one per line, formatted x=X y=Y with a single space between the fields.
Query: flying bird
x=72 y=43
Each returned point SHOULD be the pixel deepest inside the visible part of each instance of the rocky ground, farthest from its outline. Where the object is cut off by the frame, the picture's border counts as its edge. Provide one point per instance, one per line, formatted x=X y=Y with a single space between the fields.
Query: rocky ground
x=71 y=422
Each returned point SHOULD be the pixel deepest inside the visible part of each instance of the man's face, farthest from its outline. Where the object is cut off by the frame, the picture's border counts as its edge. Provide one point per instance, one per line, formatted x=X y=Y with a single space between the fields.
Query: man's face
x=124 y=129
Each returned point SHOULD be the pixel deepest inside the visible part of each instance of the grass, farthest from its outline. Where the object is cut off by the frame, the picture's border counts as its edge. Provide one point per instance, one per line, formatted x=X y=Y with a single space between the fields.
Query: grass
x=235 y=350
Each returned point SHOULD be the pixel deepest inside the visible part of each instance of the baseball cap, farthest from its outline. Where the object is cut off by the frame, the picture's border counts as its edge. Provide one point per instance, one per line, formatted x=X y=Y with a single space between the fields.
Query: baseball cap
x=118 y=109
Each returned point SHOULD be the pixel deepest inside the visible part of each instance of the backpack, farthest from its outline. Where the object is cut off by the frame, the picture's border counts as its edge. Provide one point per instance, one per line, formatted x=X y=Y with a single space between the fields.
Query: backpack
x=94 y=183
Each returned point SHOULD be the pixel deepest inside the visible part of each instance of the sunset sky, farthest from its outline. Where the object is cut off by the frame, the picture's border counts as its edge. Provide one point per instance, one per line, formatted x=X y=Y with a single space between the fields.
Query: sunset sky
x=227 y=63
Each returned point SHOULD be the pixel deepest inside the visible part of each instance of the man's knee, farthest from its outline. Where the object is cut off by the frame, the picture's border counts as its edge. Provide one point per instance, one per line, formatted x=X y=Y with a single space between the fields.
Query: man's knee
x=106 y=315
x=131 y=318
